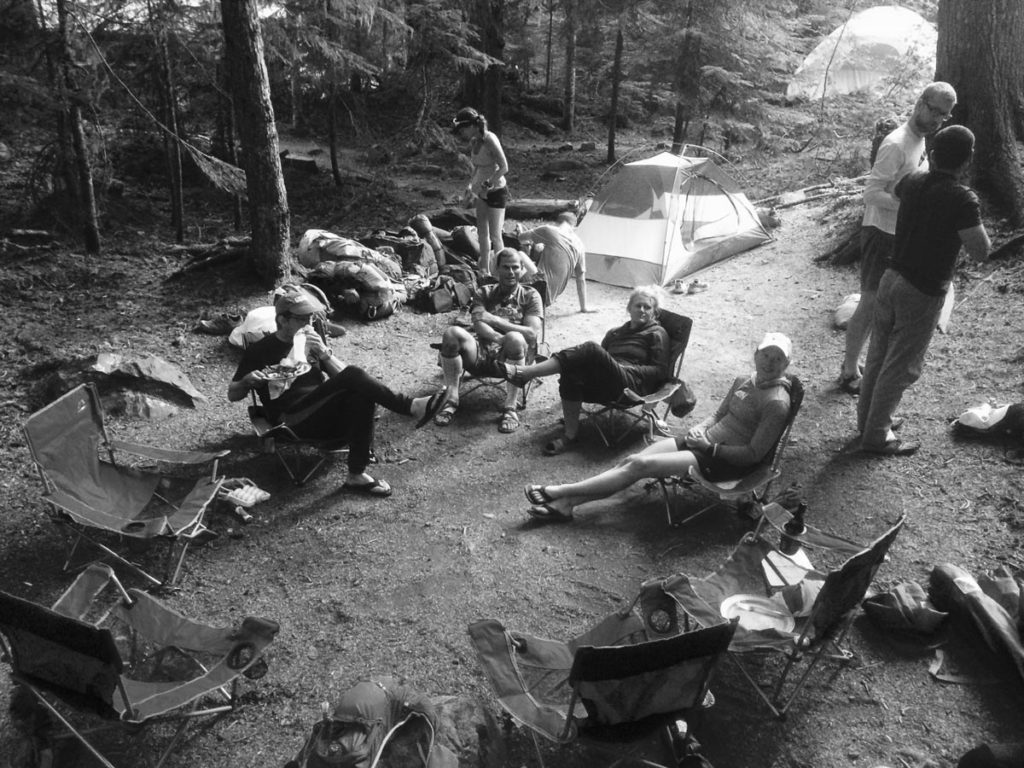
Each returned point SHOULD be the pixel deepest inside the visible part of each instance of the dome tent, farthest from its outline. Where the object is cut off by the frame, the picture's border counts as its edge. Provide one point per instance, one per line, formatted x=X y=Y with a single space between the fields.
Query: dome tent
x=870 y=46
x=665 y=217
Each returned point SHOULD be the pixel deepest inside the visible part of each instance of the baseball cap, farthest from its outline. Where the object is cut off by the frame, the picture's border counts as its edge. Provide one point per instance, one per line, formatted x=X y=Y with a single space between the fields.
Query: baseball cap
x=296 y=300
x=779 y=341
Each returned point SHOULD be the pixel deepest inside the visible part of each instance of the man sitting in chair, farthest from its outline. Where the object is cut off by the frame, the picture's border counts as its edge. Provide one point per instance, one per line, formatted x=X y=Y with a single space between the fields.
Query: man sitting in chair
x=634 y=355
x=301 y=384
x=725 y=446
x=507 y=318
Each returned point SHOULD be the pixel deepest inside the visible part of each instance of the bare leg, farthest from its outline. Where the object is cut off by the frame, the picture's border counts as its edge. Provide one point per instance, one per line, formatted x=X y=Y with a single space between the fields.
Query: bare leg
x=571 y=412
x=483 y=224
x=660 y=459
x=549 y=367
x=495 y=225
x=458 y=349
x=858 y=329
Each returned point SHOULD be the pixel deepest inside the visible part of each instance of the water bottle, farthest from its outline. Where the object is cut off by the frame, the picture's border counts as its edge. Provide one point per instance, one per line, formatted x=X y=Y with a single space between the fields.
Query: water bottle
x=788 y=545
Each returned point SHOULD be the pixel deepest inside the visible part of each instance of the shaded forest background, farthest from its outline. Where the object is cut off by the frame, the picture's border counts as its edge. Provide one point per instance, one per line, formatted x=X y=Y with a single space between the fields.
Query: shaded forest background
x=104 y=99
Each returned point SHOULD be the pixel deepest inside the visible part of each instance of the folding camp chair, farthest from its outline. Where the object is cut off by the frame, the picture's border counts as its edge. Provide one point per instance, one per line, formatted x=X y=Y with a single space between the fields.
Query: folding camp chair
x=635 y=409
x=91 y=486
x=301 y=457
x=754 y=486
x=785 y=606
x=138 y=664
x=637 y=674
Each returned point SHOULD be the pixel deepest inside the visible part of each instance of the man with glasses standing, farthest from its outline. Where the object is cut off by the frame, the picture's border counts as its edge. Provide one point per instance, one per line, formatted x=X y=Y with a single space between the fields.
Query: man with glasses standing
x=900 y=153
x=301 y=383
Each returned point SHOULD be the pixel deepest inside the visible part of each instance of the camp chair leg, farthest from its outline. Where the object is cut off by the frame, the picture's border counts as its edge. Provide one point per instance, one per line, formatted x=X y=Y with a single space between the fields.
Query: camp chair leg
x=133 y=567
x=757 y=688
x=72 y=731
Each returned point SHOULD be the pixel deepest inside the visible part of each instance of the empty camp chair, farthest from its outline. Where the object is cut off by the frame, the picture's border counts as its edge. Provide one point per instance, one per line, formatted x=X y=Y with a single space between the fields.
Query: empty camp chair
x=141 y=663
x=754 y=486
x=301 y=457
x=92 y=486
x=634 y=409
x=631 y=677
x=785 y=606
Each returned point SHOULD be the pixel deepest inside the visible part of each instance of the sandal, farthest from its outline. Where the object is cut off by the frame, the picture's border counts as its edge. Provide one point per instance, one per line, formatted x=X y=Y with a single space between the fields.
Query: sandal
x=537 y=494
x=378 y=488
x=560 y=445
x=434 y=405
x=509 y=421
x=444 y=417
x=549 y=514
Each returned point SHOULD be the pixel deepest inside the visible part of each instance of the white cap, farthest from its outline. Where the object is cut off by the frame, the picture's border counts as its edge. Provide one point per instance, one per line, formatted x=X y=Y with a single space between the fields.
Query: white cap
x=778 y=340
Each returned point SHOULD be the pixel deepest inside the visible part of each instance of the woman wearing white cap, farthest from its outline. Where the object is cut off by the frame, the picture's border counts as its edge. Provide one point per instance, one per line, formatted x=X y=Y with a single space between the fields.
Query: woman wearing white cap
x=487 y=187
x=326 y=400
x=724 y=446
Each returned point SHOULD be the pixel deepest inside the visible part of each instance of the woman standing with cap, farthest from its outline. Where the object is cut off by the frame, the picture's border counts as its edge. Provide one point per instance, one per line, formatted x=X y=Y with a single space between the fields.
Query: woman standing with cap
x=325 y=399
x=724 y=446
x=487 y=187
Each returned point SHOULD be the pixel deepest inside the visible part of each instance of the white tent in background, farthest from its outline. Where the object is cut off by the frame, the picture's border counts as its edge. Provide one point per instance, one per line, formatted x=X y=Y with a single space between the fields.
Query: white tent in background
x=665 y=217
x=862 y=53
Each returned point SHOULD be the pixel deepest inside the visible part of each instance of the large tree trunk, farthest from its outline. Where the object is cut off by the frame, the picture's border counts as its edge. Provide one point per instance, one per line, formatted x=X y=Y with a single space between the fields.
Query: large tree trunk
x=269 y=219
x=172 y=149
x=979 y=55
x=569 y=107
x=687 y=82
x=613 y=109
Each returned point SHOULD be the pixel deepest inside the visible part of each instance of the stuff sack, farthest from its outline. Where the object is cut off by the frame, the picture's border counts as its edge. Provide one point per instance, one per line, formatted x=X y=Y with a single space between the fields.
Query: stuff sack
x=318 y=245
x=682 y=401
x=986 y=421
x=370 y=718
x=358 y=288
x=465 y=240
x=444 y=294
x=415 y=253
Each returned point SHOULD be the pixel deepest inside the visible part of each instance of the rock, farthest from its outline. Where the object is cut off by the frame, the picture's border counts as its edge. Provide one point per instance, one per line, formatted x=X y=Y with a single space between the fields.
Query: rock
x=588 y=146
x=139 y=405
x=146 y=373
x=378 y=155
x=5 y=154
x=301 y=163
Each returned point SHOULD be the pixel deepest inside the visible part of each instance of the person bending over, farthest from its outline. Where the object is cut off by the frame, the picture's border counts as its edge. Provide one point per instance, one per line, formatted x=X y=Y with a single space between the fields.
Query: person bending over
x=725 y=446
x=559 y=254
x=507 y=318
x=634 y=355
x=302 y=384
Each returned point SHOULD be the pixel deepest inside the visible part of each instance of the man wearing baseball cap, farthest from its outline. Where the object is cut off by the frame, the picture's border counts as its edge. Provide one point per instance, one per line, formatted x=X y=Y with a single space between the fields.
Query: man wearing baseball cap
x=937 y=215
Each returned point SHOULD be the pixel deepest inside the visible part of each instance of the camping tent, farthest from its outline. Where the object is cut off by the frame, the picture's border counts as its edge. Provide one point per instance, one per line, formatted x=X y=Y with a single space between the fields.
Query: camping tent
x=860 y=54
x=665 y=217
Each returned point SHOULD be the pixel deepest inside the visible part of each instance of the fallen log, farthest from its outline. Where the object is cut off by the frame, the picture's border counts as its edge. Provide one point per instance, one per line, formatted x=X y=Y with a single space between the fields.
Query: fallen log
x=203 y=257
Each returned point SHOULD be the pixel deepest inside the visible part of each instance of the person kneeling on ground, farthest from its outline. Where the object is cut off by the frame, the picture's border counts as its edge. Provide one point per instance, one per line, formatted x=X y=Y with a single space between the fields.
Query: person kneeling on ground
x=725 y=446
x=507 y=318
x=327 y=400
x=634 y=355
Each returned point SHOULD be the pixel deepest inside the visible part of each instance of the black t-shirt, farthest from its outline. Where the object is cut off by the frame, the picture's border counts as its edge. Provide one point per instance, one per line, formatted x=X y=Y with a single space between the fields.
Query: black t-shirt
x=934 y=207
x=270 y=350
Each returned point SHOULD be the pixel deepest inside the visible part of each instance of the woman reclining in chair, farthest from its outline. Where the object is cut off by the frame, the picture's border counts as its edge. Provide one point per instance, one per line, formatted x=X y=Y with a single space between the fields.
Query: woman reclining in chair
x=634 y=355
x=327 y=400
x=724 y=447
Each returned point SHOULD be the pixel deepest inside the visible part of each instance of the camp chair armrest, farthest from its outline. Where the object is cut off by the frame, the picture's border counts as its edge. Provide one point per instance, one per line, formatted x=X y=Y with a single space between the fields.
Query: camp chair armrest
x=169 y=455
x=660 y=395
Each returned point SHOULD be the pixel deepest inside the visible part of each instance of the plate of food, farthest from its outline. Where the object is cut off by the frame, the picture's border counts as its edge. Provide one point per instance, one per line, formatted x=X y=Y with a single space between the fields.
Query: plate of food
x=757 y=612
x=281 y=372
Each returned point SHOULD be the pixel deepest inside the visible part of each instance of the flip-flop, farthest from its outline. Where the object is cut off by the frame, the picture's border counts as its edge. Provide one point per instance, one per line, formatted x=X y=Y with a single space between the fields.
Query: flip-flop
x=548 y=513
x=433 y=406
x=378 y=488
x=509 y=421
x=537 y=494
x=444 y=416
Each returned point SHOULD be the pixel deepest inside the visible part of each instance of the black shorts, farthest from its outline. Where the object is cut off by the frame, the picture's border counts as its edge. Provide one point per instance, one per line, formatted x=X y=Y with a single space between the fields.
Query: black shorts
x=497 y=198
x=713 y=469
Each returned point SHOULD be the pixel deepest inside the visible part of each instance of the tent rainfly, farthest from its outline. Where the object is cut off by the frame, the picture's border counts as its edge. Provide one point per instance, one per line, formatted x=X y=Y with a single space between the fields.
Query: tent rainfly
x=665 y=217
x=859 y=55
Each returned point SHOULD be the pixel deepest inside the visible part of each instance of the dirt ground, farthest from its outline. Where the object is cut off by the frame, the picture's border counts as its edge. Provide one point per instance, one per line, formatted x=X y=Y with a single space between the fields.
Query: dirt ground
x=363 y=586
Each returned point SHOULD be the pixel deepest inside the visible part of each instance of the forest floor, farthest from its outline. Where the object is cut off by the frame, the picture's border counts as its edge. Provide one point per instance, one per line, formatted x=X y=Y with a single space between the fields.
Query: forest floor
x=364 y=586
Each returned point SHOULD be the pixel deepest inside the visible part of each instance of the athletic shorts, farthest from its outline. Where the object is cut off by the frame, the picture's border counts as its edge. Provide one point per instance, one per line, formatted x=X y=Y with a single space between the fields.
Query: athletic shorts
x=497 y=198
x=875 y=254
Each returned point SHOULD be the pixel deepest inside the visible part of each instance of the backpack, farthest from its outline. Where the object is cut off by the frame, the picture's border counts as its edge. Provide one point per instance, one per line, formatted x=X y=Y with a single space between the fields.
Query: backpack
x=358 y=288
x=415 y=253
x=369 y=718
